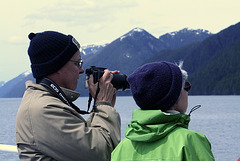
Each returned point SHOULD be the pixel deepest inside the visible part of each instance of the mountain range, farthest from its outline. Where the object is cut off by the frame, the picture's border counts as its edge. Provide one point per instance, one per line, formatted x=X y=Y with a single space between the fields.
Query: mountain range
x=211 y=60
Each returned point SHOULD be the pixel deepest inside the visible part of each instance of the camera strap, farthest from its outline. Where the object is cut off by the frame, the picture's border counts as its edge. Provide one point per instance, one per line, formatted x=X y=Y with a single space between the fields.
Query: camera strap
x=90 y=98
x=57 y=91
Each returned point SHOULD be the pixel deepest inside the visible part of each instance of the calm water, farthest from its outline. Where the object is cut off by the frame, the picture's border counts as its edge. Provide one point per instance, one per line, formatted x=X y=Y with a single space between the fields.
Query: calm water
x=218 y=119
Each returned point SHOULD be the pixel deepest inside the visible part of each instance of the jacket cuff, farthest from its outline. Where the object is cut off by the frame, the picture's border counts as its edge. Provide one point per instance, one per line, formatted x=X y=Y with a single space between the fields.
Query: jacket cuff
x=103 y=103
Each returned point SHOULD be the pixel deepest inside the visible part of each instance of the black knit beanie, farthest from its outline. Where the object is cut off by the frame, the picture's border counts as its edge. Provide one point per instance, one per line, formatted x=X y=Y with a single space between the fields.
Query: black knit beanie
x=49 y=51
x=156 y=85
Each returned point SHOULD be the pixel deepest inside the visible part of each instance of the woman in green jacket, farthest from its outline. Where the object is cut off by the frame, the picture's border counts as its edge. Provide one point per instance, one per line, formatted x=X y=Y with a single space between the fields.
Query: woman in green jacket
x=159 y=130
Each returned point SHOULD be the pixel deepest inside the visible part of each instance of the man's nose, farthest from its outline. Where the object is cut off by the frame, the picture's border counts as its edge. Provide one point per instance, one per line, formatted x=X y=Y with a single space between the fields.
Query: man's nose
x=81 y=70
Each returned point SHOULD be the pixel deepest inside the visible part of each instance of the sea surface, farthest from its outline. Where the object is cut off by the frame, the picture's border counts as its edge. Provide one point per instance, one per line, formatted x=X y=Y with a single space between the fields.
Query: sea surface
x=218 y=119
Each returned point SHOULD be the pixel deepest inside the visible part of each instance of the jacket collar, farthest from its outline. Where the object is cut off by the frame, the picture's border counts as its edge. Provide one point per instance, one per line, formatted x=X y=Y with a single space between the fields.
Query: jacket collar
x=71 y=95
x=152 y=125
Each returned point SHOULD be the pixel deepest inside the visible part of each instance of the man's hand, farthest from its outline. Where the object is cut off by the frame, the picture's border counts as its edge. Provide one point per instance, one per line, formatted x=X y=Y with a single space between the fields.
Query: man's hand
x=107 y=92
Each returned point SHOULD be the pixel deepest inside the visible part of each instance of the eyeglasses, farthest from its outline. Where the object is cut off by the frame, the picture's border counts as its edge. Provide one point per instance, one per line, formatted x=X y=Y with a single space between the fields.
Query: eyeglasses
x=187 y=86
x=79 y=64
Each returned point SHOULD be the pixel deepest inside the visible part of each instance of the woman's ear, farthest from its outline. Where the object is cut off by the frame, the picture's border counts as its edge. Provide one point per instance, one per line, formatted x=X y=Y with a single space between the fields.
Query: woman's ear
x=174 y=107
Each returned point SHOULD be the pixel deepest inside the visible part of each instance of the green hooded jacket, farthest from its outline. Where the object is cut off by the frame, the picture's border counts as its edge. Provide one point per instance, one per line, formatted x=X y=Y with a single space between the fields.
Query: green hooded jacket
x=157 y=136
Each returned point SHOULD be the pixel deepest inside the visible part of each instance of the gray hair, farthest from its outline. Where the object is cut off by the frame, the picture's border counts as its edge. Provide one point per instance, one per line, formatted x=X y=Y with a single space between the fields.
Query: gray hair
x=184 y=73
x=184 y=76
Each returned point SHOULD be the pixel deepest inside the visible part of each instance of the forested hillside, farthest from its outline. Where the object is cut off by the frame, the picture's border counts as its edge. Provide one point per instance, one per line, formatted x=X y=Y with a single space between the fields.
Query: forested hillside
x=213 y=64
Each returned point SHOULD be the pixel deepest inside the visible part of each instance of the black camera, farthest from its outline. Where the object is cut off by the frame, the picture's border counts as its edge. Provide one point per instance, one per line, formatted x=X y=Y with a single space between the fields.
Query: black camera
x=119 y=81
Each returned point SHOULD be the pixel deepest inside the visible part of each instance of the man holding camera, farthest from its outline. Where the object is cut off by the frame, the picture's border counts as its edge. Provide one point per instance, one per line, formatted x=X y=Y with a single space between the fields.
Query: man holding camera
x=48 y=125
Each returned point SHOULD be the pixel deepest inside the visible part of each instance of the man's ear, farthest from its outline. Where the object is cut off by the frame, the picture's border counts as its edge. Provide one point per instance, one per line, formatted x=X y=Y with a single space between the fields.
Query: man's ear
x=59 y=72
x=55 y=76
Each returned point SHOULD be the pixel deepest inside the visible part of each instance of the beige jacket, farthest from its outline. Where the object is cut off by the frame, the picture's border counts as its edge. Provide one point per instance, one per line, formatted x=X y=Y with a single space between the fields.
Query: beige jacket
x=48 y=129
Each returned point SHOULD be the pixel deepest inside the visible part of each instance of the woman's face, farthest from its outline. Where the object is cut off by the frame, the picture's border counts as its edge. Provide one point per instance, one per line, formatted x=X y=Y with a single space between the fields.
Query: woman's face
x=182 y=104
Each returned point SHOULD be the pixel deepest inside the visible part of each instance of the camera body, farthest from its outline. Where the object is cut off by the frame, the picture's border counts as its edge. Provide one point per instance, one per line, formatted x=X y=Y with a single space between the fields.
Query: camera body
x=119 y=81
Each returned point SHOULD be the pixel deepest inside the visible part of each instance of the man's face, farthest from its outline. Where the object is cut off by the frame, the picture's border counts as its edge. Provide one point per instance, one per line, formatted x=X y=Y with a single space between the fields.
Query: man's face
x=70 y=72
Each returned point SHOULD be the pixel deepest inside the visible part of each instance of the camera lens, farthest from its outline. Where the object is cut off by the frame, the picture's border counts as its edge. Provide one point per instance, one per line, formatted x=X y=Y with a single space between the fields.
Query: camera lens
x=119 y=81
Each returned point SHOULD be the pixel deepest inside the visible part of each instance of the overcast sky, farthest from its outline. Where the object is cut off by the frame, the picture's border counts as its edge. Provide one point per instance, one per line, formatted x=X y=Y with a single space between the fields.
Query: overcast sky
x=101 y=21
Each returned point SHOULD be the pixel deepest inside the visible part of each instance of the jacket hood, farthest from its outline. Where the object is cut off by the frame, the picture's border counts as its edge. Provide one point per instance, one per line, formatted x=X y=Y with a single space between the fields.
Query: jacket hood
x=152 y=125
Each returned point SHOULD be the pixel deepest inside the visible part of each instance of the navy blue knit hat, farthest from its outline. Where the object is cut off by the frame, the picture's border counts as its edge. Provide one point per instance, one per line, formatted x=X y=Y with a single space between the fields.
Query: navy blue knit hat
x=156 y=85
x=49 y=51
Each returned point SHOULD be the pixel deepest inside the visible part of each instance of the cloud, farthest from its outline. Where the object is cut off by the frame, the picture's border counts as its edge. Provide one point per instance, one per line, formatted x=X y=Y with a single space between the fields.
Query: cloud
x=80 y=12
x=14 y=39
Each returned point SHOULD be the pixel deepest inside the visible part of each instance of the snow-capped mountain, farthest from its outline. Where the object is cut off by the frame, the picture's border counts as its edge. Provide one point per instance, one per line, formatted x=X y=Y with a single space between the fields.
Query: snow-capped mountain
x=189 y=31
x=126 y=53
x=203 y=54
x=88 y=50
x=1 y=83
x=176 y=39
x=132 y=32
x=16 y=86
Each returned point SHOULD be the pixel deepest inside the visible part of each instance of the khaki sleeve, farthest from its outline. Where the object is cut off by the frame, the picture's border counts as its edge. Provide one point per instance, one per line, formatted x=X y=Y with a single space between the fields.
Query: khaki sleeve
x=108 y=119
x=65 y=136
